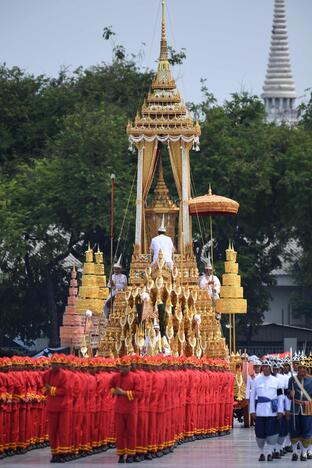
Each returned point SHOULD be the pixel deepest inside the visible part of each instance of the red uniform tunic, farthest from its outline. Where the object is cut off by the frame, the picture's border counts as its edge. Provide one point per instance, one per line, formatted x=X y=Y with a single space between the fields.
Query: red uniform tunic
x=161 y=383
x=3 y=410
x=9 y=412
x=140 y=442
x=126 y=411
x=77 y=408
x=147 y=399
x=58 y=410
x=18 y=416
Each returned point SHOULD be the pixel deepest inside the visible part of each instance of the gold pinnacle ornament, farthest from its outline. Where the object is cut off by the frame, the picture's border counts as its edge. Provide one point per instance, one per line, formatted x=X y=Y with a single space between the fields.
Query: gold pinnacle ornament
x=93 y=290
x=232 y=294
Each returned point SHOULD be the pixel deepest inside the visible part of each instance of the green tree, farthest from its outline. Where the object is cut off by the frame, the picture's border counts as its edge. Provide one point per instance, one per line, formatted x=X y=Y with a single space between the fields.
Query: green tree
x=255 y=163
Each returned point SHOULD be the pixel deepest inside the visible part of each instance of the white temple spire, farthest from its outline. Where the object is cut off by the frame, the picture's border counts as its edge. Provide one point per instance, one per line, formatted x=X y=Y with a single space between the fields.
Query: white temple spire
x=279 y=92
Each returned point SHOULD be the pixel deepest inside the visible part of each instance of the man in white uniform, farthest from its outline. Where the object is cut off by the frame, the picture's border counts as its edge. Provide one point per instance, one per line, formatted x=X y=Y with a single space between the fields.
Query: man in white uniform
x=163 y=243
x=283 y=422
x=267 y=391
x=118 y=282
x=256 y=364
x=210 y=281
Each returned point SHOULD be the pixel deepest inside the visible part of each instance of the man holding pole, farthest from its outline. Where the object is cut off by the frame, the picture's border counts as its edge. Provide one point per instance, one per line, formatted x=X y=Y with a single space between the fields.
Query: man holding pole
x=300 y=394
x=210 y=281
x=117 y=282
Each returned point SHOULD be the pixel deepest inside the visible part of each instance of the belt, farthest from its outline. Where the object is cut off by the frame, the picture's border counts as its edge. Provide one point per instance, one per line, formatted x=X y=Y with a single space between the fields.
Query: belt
x=274 y=401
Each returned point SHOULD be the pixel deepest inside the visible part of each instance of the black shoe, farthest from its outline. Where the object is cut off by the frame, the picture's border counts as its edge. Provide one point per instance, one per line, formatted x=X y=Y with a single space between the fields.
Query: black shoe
x=309 y=455
x=159 y=454
x=303 y=457
x=276 y=455
x=166 y=451
x=53 y=459
x=262 y=457
x=269 y=457
x=121 y=459
x=289 y=449
x=294 y=457
x=148 y=456
x=129 y=459
x=154 y=455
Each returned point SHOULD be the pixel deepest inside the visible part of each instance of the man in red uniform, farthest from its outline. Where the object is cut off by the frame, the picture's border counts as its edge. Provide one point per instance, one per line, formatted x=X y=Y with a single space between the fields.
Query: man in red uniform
x=4 y=405
x=125 y=387
x=141 y=449
x=57 y=388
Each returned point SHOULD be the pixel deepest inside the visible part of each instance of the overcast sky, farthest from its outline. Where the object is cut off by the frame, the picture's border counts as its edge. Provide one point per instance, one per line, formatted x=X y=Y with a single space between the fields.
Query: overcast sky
x=226 y=41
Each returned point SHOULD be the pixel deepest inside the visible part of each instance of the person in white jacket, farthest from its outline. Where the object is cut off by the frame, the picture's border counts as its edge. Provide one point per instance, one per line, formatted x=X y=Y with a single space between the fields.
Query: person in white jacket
x=163 y=243
x=266 y=408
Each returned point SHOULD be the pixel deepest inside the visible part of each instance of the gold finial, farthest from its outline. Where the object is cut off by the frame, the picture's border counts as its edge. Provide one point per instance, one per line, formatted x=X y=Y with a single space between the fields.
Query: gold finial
x=163 y=40
x=98 y=250
x=229 y=247
x=89 y=254
x=209 y=190
x=74 y=268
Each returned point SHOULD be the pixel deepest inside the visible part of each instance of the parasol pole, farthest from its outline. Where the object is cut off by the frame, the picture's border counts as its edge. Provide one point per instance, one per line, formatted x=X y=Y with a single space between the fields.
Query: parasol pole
x=230 y=332
x=211 y=256
x=234 y=335
x=293 y=389
x=112 y=233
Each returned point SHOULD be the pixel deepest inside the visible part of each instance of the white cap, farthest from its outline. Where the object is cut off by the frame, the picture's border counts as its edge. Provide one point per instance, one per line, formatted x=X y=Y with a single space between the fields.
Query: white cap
x=162 y=227
x=207 y=262
x=118 y=264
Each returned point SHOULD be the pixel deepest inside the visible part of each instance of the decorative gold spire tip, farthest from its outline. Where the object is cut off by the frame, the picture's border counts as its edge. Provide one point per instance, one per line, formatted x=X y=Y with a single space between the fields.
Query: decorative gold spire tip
x=209 y=190
x=163 y=40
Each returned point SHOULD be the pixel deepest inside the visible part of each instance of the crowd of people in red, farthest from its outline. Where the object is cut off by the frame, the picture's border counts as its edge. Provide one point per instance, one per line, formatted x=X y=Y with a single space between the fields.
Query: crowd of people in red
x=146 y=406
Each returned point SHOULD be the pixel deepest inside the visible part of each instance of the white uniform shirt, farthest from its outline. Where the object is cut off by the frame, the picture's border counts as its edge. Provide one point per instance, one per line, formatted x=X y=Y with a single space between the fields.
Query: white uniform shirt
x=265 y=387
x=166 y=245
x=249 y=384
x=120 y=281
x=284 y=385
x=203 y=283
x=287 y=401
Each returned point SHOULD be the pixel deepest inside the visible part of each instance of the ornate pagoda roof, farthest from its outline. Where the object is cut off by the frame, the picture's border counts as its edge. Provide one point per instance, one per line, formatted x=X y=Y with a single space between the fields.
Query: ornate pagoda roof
x=163 y=113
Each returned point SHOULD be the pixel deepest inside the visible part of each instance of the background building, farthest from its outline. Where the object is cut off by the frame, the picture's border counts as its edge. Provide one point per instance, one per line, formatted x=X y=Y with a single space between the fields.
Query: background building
x=279 y=92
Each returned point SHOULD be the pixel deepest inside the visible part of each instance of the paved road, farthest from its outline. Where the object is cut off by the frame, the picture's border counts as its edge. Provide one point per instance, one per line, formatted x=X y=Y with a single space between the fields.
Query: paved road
x=234 y=450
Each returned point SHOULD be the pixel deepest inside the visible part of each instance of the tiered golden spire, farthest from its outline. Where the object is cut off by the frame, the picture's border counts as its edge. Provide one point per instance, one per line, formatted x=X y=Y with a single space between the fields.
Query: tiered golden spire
x=163 y=112
x=93 y=290
x=232 y=294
